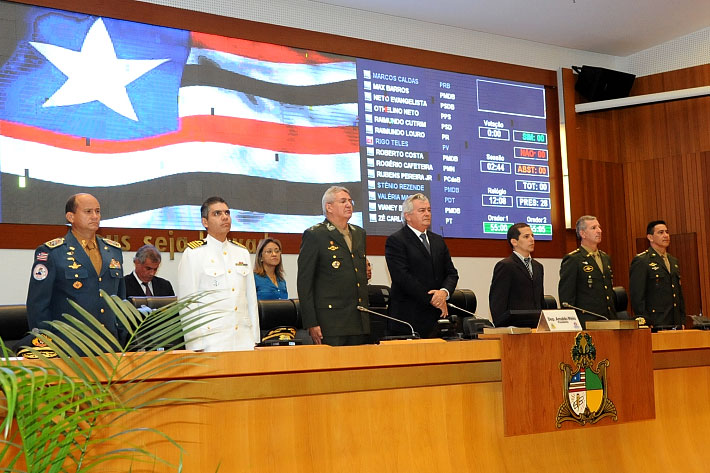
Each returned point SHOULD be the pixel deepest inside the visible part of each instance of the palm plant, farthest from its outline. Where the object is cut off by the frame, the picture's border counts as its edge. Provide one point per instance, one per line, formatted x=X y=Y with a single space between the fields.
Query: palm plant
x=58 y=411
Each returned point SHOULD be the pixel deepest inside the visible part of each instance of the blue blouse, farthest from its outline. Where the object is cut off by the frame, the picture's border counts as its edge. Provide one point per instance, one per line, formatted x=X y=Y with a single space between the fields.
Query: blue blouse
x=265 y=289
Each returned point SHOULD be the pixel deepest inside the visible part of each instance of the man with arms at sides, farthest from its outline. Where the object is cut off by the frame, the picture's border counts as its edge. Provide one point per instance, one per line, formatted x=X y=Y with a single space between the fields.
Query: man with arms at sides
x=586 y=277
x=654 y=280
x=76 y=267
x=423 y=275
x=517 y=282
x=332 y=275
x=223 y=267
x=143 y=282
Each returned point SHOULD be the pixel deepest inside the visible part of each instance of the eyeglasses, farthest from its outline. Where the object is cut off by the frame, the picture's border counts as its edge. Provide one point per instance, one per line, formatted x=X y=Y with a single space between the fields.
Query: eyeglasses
x=274 y=252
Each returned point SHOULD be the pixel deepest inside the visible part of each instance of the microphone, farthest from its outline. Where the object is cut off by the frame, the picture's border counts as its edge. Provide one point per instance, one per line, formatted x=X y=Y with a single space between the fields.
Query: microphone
x=365 y=309
x=472 y=314
x=565 y=304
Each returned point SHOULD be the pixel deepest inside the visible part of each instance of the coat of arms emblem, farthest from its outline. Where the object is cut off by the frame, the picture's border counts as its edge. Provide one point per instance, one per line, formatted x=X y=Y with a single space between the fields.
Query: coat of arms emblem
x=585 y=388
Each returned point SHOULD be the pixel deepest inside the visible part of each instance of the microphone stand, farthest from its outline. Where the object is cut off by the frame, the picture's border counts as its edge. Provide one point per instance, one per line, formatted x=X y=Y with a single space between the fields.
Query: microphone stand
x=365 y=309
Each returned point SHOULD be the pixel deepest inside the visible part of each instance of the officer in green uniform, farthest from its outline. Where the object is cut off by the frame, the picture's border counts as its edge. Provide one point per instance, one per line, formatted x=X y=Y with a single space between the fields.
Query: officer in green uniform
x=332 y=275
x=654 y=280
x=586 y=277
x=75 y=268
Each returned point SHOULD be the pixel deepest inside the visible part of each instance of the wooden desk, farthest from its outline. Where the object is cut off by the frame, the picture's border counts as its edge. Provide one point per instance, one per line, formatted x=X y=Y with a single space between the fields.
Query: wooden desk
x=425 y=406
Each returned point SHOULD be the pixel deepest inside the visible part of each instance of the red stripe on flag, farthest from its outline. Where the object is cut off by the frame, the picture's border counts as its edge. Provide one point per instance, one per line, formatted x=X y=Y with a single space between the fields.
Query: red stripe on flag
x=209 y=129
x=261 y=51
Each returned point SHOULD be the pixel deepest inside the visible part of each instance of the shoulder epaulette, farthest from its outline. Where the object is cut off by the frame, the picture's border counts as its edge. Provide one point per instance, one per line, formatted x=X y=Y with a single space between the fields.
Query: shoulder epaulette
x=238 y=244
x=317 y=225
x=573 y=252
x=642 y=253
x=112 y=243
x=196 y=243
x=54 y=243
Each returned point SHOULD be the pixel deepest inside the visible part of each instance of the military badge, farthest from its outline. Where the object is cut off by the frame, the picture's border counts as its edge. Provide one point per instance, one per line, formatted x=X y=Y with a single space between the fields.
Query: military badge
x=75 y=265
x=335 y=264
x=196 y=243
x=585 y=389
x=77 y=285
x=114 y=264
x=42 y=256
x=588 y=268
x=241 y=263
x=55 y=243
x=115 y=244
x=40 y=272
x=333 y=247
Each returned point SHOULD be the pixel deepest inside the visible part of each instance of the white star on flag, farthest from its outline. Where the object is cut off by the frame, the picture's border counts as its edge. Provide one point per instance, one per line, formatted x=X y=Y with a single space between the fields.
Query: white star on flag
x=95 y=73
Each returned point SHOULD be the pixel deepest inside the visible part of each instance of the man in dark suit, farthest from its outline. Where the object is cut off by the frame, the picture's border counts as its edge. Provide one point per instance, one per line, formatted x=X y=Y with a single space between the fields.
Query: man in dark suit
x=423 y=275
x=332 y=275
x=586 y=277
x=75 y=268
x=143 y=281
x=654 y=280
x=517 y=282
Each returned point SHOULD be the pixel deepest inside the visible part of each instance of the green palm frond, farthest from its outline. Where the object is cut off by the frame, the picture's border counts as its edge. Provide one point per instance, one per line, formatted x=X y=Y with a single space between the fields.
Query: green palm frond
x=56 y=410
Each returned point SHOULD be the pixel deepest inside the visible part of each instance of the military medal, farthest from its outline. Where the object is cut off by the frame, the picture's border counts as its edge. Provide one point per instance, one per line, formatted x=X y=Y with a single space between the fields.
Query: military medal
x=114 y=264
x=336 y=264
x=77 y=284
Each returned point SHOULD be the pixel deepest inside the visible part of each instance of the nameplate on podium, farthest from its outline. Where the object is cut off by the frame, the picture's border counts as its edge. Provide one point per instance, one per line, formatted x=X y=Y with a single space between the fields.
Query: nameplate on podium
x=560 y=320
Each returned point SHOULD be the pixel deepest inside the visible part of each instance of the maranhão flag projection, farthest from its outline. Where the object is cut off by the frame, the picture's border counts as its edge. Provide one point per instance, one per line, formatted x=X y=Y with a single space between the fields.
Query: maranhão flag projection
x=152 y=120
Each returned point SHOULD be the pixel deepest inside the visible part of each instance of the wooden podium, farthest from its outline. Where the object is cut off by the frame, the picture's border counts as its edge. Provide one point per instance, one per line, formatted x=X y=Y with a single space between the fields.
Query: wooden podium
x=431 y=406
x=535 y=391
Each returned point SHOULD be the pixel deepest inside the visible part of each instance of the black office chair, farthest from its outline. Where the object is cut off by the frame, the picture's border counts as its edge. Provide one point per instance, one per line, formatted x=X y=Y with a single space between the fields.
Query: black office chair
x=465 y=299
x=464 y=323
x=550 y=302
x=282 y=313
x=621 y=302
x=379 y=297
x=13 y=324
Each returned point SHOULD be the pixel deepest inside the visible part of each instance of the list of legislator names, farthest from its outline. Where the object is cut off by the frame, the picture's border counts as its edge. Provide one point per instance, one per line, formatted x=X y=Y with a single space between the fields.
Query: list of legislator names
x=476 y=146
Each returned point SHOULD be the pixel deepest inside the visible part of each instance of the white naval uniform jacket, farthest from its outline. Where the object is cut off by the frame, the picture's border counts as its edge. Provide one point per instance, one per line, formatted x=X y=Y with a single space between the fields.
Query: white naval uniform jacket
x=226 y=269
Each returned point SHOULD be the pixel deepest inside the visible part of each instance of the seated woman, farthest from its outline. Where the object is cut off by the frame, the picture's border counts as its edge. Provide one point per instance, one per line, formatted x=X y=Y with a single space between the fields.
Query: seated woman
x=269 y=271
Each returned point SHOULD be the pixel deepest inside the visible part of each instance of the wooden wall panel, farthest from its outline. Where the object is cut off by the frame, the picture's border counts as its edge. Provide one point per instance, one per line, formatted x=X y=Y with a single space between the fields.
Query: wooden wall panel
x=664 y=155
x=603 y=190
x=638 y=142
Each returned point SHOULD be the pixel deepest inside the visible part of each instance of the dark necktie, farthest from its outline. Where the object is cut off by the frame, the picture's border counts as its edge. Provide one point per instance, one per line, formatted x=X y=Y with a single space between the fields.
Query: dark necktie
x=148 y=292
x=425 y=241
x=527 y=265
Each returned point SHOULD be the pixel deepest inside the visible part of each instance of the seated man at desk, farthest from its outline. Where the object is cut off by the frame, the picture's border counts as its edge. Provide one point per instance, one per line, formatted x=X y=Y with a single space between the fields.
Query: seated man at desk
x=143 y=282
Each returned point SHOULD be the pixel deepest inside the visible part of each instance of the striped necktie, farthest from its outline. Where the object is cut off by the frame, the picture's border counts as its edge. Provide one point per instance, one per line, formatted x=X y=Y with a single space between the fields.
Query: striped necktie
x=527 y=265
x=425 y=241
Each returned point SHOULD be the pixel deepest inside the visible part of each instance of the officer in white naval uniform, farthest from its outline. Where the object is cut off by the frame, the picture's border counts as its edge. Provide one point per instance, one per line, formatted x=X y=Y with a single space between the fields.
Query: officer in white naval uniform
x=220 y=265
